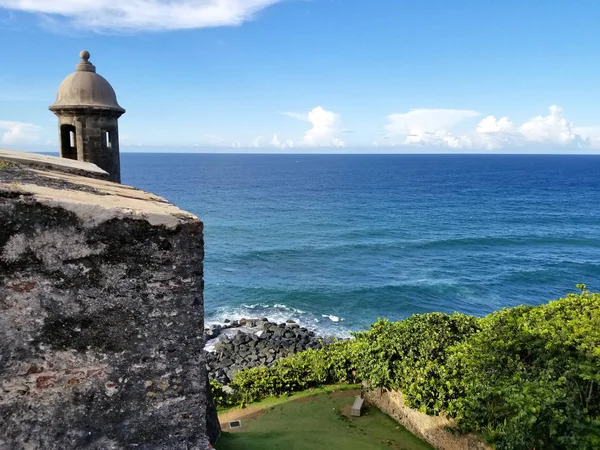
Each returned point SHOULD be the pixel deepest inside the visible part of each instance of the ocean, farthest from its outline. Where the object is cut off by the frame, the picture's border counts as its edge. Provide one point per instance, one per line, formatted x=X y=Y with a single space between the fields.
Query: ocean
x=337 y=241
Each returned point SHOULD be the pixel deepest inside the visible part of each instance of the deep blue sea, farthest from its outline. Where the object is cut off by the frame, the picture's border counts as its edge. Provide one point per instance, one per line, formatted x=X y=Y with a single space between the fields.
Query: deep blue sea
x=336 y=241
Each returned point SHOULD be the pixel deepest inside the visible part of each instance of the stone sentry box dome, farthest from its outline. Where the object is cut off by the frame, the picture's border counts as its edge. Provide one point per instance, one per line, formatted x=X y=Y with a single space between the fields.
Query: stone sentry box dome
x=88 y=114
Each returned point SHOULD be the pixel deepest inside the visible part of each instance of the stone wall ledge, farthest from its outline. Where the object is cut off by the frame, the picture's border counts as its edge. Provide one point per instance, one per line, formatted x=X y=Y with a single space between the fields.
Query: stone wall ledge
x=432 y=429
x=49 y=162
x=94 y=201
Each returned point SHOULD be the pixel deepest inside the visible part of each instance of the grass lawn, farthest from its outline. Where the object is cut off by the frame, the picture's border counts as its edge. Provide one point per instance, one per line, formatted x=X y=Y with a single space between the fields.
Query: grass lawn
x=320 y=421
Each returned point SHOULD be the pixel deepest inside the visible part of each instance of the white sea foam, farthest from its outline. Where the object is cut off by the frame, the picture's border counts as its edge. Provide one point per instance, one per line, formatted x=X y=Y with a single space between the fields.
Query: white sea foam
x=288 y=308
x=333 y=318
x=256 y=305
x=329 y=325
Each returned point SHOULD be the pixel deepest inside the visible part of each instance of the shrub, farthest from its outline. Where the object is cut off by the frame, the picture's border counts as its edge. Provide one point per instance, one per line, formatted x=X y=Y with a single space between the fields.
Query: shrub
x=407 y=355
x=308 y=369
x=221 y=397
x=530 y=378
x=410 y=356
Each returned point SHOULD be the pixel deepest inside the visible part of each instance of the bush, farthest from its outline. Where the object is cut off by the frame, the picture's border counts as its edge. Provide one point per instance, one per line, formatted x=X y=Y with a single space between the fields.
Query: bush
x=220 y=397
x=530 y=378
x=407 y=355
x=410 y=356
x=308 y=369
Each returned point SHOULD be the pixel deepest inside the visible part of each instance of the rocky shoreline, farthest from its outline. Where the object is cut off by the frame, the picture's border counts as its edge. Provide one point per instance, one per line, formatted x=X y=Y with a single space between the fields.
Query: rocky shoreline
x=246 y=343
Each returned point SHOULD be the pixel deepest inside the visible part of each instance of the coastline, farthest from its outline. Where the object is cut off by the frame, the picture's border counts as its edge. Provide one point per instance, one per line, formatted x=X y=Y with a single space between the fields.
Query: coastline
x=246 y=343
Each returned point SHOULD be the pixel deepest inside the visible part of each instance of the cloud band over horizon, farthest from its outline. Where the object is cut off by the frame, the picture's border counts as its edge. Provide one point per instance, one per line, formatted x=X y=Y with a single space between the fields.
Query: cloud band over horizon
x=417 y=128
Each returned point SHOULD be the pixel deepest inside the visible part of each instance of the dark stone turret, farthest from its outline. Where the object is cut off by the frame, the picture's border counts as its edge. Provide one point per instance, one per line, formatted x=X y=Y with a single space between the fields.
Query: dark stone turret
x=88 y=113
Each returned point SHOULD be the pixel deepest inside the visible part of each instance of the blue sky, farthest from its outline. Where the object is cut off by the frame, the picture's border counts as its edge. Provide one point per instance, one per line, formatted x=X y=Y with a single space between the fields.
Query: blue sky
x=301 y=75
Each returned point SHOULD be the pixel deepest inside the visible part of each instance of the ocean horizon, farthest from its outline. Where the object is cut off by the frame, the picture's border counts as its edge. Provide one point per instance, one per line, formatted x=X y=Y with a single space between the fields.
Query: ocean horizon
x=336 y=241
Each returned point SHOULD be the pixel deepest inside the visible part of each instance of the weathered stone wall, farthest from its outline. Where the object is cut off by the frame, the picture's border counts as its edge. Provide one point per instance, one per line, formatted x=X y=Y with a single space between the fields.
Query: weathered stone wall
x=429 y=428
x=101 y=317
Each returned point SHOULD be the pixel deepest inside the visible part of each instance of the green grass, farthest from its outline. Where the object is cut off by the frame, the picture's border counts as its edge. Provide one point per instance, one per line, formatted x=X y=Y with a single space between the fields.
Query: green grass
x=317 y=422
x=274 y=401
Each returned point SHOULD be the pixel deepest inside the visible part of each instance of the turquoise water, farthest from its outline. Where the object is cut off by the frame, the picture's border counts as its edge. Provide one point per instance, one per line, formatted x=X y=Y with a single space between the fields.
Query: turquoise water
x=336 y=241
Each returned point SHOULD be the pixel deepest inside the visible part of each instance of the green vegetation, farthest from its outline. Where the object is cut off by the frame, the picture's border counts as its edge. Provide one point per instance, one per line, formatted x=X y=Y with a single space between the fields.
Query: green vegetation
x=410 y=356
x=523 y=378
x=320 y=421
x=530 y=378
x=305 y=370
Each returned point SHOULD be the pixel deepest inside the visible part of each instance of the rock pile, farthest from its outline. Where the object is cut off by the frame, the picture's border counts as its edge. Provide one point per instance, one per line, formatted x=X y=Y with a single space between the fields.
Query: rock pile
x=250 y=343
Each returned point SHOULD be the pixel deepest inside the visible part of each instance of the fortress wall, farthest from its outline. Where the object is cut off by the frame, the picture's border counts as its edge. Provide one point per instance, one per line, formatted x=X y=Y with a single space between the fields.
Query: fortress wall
x=101 y=317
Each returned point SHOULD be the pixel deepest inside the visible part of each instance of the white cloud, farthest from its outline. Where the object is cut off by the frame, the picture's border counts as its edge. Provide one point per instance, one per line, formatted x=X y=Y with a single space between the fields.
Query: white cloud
x=325 y=127
x=492 y=125
x=256 y=142
x=552 y=129
x=143 y=14
x=417 y=123
x=275 y=142
x=297 y=116
x=490 y=134
x=337 y=142
x=427 y=127
x=434 y=128
x=19 y=133
x=590 y=134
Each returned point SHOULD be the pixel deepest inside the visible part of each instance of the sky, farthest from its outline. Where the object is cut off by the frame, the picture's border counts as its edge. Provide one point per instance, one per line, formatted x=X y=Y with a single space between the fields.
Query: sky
x=313 y=75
